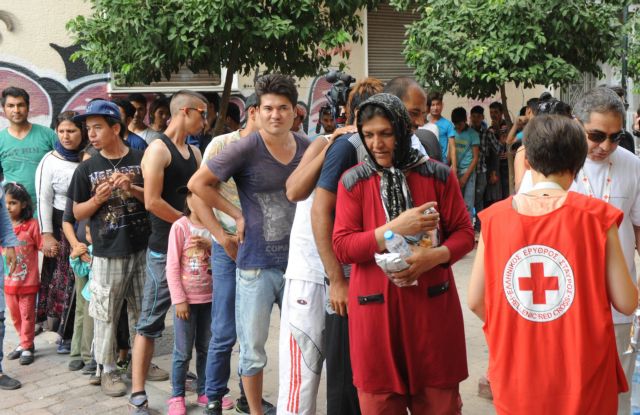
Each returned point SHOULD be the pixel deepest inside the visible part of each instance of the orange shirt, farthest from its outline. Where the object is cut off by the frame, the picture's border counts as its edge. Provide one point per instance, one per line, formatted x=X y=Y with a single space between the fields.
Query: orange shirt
x=548 y=320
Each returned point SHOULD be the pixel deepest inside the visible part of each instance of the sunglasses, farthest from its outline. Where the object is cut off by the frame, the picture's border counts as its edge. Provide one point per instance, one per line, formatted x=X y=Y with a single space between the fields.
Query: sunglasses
x=600 y=137
x=202 y=112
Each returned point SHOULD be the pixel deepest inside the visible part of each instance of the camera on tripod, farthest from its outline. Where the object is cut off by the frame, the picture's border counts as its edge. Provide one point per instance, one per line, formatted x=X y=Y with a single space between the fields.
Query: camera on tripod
x=339 y=92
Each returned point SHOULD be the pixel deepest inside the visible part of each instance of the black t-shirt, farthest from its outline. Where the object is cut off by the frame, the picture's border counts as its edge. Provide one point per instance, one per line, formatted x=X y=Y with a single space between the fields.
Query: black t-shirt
x=121 y=226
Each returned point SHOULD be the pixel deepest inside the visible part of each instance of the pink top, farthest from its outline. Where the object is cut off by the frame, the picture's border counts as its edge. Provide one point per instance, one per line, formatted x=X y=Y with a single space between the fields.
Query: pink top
x=25 y=278
x=188 y=271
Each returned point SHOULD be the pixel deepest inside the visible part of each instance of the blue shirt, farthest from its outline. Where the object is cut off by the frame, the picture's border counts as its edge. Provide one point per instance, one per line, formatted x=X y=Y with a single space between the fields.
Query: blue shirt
x=520 y=135
x=446 y=130
x=136 y=142
x=465 y=141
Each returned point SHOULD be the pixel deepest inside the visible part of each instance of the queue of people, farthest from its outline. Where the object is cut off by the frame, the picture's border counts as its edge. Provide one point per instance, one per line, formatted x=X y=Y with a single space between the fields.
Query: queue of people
x=134 y=220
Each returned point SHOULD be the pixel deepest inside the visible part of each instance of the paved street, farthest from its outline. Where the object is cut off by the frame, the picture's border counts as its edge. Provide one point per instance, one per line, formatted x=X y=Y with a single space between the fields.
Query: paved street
x=49 y=387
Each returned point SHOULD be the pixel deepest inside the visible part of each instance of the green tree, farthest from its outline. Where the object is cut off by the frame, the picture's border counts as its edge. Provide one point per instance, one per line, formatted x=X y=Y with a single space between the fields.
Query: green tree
x=145 y=40
x=474 y=47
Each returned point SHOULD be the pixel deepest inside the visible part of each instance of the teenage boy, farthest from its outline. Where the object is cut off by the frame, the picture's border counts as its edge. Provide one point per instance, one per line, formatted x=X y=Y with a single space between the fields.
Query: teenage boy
x=445 y=128
x=467 y=144
x=260 y=165
x=107 y=190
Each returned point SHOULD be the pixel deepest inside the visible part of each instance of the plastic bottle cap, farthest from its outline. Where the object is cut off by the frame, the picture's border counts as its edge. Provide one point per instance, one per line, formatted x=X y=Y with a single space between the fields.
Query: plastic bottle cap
x=388 y=235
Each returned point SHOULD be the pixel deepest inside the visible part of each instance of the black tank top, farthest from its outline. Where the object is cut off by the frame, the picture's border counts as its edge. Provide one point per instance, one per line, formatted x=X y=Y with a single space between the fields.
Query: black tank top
x=176 y=174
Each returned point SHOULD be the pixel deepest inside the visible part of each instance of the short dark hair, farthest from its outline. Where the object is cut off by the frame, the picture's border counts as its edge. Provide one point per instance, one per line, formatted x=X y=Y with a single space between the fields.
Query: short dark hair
x=20 y=193
x=477 y=110
x=458 y=114
x=495 y=105
x=278 y=84
x=533 y=103
x=434 y=96
x=233 y=112
x=112 y=121
x=555 y=144
x=399 y=86
x=137 y=98
x=129 y=110
x=213 y=99
x=15 y=92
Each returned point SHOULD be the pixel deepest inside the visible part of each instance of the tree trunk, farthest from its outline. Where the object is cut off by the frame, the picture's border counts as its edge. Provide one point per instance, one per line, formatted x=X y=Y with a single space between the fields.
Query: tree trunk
x=503 y=98
x=226 y=93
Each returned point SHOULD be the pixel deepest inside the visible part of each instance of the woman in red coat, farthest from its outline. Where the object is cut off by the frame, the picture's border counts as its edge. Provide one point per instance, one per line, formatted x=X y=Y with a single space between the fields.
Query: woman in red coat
x=407 y=341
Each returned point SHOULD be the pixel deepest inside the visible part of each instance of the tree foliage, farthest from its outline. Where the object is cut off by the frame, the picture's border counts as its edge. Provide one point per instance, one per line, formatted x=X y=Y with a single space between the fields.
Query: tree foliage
x=145 y=40
x=473 y=47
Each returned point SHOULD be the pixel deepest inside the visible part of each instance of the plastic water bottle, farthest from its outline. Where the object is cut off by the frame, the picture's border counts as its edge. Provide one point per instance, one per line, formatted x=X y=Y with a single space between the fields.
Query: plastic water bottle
x=396 y=244
x=635 y=388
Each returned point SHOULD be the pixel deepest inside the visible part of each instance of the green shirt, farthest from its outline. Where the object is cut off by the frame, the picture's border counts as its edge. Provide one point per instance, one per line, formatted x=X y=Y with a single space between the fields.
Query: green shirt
x=20 y=158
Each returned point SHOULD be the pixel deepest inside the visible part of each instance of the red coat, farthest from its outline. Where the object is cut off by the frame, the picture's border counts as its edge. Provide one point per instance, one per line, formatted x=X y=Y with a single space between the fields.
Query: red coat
x=407 y=340
x=552 y=346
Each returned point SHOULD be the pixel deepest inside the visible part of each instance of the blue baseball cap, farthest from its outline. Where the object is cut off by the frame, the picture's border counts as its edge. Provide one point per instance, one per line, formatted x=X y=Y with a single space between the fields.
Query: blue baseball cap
x=100 y=107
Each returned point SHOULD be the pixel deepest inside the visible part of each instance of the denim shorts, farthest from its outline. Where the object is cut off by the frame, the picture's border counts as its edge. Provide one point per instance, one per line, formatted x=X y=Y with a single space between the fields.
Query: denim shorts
x=257 y=290
x=156 y=299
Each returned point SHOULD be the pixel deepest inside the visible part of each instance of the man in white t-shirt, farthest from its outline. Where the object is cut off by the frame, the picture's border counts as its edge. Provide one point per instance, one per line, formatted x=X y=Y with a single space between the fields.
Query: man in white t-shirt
x=611 y=173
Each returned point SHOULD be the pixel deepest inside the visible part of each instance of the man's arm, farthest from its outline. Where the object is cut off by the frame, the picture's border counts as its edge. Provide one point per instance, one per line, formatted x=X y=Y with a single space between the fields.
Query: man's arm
x=472 y=166
x=322 y=211
x=452 y=156
x=86 y=209
x=155 y=160
x=228 y=242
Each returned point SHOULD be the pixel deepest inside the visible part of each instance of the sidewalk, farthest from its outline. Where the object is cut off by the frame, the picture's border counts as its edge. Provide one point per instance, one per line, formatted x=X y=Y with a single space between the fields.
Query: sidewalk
x=48 y=387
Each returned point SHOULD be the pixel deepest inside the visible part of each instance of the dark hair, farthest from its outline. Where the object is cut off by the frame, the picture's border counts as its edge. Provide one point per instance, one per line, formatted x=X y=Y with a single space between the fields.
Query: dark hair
x=213 y=98
x=186 y=211
x=553 y=106
x=477 y=110
x=400 y=85
x=325 y=110
x=112 y=121
x=129 y=110
x=361 y=92
x=533 y=103
x=15 y=92
x=277 y=84
x=434 y=96
x=19 y=193
x=555 y=144
x=233 y=112
x=68 y=116
x=523 y=110
x=156 y=104
x=495 y=105
x=458 y=114
x=137 y=98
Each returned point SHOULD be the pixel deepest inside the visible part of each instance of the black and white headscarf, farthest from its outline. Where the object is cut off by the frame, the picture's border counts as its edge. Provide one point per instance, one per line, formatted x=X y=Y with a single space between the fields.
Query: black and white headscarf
x=394 y=191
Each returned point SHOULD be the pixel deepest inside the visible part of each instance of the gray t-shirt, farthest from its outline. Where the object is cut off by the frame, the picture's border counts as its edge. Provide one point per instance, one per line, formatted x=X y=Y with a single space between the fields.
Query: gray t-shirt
x=268 y=214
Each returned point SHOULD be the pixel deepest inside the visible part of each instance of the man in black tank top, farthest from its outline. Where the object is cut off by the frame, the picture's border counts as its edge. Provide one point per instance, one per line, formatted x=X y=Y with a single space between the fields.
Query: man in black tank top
x=167 y=165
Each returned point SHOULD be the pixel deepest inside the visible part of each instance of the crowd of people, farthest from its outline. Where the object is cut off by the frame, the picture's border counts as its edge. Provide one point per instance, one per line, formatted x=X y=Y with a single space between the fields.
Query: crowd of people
x=107 y=222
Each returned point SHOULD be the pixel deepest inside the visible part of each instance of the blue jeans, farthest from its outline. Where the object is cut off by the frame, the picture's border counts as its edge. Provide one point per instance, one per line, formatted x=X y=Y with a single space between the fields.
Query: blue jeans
x=223 y=323
x=187 y=332
x=469 y=193
x=156 y=298
x=257 y=290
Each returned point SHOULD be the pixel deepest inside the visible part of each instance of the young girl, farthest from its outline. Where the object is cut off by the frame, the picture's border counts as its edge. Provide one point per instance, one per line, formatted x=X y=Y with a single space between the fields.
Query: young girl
x=21 y=285
x=190 y=284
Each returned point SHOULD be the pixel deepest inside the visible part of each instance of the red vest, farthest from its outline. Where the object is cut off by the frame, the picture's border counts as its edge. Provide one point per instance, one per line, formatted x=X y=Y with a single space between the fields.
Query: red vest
x=548 y=320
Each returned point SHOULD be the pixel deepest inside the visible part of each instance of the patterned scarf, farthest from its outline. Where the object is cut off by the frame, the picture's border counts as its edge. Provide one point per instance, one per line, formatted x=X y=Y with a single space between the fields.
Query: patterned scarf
x=394 y=191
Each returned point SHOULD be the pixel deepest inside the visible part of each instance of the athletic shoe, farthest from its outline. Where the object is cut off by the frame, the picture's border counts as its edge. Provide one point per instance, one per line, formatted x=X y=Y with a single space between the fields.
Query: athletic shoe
x=26 y=357
x=227 y=402
x=90 y=368
x=94 y=379
x=64 y=347
x=76 y=365
x=213 y=408
x=123 y=366
x=242 y=406
x=8 y=383
x=202 y=400
x=139 y=406
x=112 y=384
x=176 y=406
x=15 y=353
x=156 y=374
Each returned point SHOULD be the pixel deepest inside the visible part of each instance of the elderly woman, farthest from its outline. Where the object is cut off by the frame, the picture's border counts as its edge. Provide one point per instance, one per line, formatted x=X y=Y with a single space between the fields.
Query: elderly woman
x=406 y=330
x=53 y=176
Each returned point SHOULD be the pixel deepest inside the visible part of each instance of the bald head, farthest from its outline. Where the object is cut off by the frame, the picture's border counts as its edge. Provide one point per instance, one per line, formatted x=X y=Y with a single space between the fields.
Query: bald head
x=186 y=98
x=401 y=85
x=413 y=97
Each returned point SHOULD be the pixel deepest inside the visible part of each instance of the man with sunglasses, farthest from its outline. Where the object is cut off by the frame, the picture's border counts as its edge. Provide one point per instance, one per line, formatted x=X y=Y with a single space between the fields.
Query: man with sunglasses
x=611 y=173
x=167 y=165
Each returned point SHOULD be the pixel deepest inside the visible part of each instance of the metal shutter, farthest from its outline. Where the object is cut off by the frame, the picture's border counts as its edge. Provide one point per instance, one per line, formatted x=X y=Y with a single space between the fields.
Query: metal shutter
x=385 y=34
